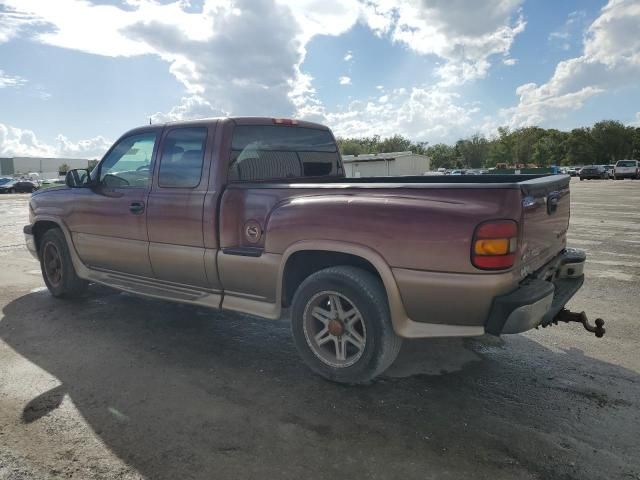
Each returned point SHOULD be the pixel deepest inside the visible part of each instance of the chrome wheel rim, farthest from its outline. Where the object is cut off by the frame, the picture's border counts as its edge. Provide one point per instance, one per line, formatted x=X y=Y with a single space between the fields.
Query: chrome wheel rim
x=52 y=264
x=334 y=329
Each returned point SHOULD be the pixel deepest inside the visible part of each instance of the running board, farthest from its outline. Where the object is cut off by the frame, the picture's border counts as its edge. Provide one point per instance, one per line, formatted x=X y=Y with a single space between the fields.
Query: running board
x=156 y=289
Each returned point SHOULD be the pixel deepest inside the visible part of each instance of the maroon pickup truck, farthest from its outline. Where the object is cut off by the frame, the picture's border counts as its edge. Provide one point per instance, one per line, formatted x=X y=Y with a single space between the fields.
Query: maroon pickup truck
x=255 y=215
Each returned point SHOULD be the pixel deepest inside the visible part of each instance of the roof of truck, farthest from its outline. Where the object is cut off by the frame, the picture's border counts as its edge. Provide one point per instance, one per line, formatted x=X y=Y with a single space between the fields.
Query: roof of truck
x=246 y=121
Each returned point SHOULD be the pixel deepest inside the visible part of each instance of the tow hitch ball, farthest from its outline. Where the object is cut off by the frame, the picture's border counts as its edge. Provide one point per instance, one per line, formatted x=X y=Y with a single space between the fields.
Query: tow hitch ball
x=565 y=315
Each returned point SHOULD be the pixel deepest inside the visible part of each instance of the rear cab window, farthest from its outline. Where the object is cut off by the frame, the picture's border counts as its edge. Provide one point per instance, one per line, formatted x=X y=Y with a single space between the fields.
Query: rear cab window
x=280 y=152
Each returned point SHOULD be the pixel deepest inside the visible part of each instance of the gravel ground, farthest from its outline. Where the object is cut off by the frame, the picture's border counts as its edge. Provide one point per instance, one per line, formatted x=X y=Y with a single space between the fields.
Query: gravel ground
x=119 y=387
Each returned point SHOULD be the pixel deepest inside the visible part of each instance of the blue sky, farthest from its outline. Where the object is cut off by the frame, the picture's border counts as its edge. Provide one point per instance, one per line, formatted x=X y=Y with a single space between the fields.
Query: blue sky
x=75 y=74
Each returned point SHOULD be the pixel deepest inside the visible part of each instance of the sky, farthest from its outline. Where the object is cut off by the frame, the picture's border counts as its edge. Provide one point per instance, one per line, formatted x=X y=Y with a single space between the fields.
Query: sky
x=76 y=74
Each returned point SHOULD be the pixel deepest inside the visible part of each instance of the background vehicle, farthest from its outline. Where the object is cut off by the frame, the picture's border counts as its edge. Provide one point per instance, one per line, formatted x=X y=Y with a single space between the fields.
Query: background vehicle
x=593 y=172
x=627 y=169
x=18 y=186
x=610 y=170
x=572 y=171
x=255 y=215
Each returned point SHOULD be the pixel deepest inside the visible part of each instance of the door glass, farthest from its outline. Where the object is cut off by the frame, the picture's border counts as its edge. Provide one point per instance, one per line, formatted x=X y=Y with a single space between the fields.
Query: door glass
x=182 y=158
x=129 y=163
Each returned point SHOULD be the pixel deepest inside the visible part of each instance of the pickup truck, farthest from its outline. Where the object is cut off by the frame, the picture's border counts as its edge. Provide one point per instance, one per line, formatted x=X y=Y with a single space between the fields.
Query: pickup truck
x=255 y=215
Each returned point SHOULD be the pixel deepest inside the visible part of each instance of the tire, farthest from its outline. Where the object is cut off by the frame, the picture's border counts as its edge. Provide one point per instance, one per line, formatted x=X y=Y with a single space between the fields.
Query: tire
x=365 y=340
x=581 y=179
x=57 y=268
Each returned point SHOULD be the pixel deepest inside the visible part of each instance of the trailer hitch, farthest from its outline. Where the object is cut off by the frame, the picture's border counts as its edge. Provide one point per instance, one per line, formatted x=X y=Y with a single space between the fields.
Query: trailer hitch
x=567 y=316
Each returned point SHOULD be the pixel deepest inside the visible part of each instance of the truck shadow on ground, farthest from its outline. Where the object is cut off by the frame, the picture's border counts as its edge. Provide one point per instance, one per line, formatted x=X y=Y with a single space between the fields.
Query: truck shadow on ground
x=182 y=392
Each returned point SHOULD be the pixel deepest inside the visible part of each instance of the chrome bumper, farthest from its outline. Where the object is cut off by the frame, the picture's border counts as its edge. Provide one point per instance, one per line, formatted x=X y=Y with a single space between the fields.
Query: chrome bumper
x=539 y=298
x=30 y=241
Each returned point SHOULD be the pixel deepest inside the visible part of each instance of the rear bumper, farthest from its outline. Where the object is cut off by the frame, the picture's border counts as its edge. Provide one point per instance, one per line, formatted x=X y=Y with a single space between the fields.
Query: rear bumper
x=29 y=241
x=540 y=297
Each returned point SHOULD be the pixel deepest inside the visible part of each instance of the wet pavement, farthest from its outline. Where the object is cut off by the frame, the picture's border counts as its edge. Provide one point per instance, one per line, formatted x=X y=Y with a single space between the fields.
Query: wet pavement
x=115 y=386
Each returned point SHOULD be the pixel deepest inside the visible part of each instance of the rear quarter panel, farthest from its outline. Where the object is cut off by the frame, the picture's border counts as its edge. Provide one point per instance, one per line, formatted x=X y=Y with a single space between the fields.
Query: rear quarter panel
x=423 y=228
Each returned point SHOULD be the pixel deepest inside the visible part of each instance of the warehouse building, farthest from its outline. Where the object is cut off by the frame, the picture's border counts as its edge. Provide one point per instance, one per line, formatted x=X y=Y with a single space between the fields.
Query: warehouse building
x=44 y=167
x=385 y=164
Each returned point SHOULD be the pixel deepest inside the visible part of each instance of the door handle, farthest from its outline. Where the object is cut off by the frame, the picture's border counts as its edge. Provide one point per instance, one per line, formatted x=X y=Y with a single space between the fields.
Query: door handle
x=136 y=207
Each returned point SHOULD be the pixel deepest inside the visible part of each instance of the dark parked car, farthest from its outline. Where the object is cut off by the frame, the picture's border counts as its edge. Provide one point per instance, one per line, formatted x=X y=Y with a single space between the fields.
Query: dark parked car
x=594 y=172
x=17 y=186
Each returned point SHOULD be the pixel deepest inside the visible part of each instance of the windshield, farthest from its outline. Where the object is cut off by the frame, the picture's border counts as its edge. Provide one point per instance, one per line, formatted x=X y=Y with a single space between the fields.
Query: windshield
x=5 y=180
x=626 y=163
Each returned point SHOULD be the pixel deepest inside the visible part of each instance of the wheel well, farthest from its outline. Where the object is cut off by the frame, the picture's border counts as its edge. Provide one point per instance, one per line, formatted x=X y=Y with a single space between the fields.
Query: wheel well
x=304 y=263
x=40 y=227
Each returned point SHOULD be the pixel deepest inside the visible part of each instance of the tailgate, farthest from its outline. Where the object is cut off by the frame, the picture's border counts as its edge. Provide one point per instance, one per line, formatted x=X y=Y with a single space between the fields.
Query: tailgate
x=545 y=220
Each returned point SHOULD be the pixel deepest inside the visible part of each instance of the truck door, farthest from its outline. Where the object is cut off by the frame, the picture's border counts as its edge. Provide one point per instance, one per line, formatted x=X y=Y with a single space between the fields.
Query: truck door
x=176 y=208
x=108 y=223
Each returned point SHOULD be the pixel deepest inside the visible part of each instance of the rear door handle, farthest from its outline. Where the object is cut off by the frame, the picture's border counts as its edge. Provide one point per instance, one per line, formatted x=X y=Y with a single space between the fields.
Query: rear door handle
x=136 y=207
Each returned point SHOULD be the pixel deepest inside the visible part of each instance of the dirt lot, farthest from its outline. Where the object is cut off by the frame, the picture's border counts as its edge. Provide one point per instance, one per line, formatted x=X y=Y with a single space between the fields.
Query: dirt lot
x=115 y=386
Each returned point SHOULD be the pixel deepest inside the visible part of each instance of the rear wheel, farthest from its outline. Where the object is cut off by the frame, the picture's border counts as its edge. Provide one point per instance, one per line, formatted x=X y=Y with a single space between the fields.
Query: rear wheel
x=57 y=268
x=341 y=325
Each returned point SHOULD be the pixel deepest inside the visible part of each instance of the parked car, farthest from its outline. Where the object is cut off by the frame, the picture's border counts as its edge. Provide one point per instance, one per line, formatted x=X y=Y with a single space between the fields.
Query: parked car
x=255 y=215
x=627 y=169
x=594 y=172
x=572 y=171
x=18 y=186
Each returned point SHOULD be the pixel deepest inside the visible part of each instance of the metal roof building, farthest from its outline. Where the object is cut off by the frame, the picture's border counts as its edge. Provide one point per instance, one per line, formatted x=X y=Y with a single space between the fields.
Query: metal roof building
x=43 y=166
x=386 y=164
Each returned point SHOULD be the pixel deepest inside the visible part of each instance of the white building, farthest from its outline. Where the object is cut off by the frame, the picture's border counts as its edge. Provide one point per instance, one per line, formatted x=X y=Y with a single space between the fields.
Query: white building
x=385 y=164
x=44 y=167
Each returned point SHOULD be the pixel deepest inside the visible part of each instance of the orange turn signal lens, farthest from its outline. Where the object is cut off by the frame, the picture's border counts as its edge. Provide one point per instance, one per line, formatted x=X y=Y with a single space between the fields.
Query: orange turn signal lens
x=492 y=246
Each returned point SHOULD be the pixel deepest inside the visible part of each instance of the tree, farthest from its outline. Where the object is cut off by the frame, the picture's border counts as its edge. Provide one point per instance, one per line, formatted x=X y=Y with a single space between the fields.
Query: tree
x=613 y=141
x=473 y=150
x=63 y=169
x=442 y=156
x=580 y=148
x=635 y=151
x=397 y=143
x=550 y=149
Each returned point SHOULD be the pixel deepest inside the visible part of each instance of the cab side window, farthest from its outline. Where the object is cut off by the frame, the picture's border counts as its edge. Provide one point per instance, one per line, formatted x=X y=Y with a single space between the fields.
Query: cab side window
x=182 y=158
x=129 y=163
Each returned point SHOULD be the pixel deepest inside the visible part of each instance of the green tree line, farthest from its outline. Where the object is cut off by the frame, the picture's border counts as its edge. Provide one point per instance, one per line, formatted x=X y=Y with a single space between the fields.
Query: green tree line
x=604 y=143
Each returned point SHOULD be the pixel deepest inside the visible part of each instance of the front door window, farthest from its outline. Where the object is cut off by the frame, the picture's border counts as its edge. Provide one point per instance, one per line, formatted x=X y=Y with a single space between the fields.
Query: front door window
x=128 y=165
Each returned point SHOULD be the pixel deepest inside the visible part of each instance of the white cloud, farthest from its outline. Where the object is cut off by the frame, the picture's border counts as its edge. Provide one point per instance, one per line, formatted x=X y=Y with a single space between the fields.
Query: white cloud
x=510 y=61
x=348 y=56
x=10 y=80
x=610 y=60
x=465 y=34
x=244 y=57
x=18 y=142
x=344 y=80
x=419 y=113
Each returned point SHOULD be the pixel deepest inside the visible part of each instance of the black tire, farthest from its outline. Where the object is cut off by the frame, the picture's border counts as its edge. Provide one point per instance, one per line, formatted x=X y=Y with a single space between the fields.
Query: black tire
x=366 y=293
x=581 y=179
x=61 y=279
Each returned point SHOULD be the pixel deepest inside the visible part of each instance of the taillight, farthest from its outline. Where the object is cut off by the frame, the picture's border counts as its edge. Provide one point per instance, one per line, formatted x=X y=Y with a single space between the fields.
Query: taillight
x=494 y=245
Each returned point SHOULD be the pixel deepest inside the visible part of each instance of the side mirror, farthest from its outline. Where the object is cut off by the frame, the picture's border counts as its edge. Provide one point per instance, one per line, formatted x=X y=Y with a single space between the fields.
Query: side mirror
x=77 y=178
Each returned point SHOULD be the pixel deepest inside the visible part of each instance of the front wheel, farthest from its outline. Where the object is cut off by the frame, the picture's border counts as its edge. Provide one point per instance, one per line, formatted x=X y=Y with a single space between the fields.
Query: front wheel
x=342 y=327
x=57 y=268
